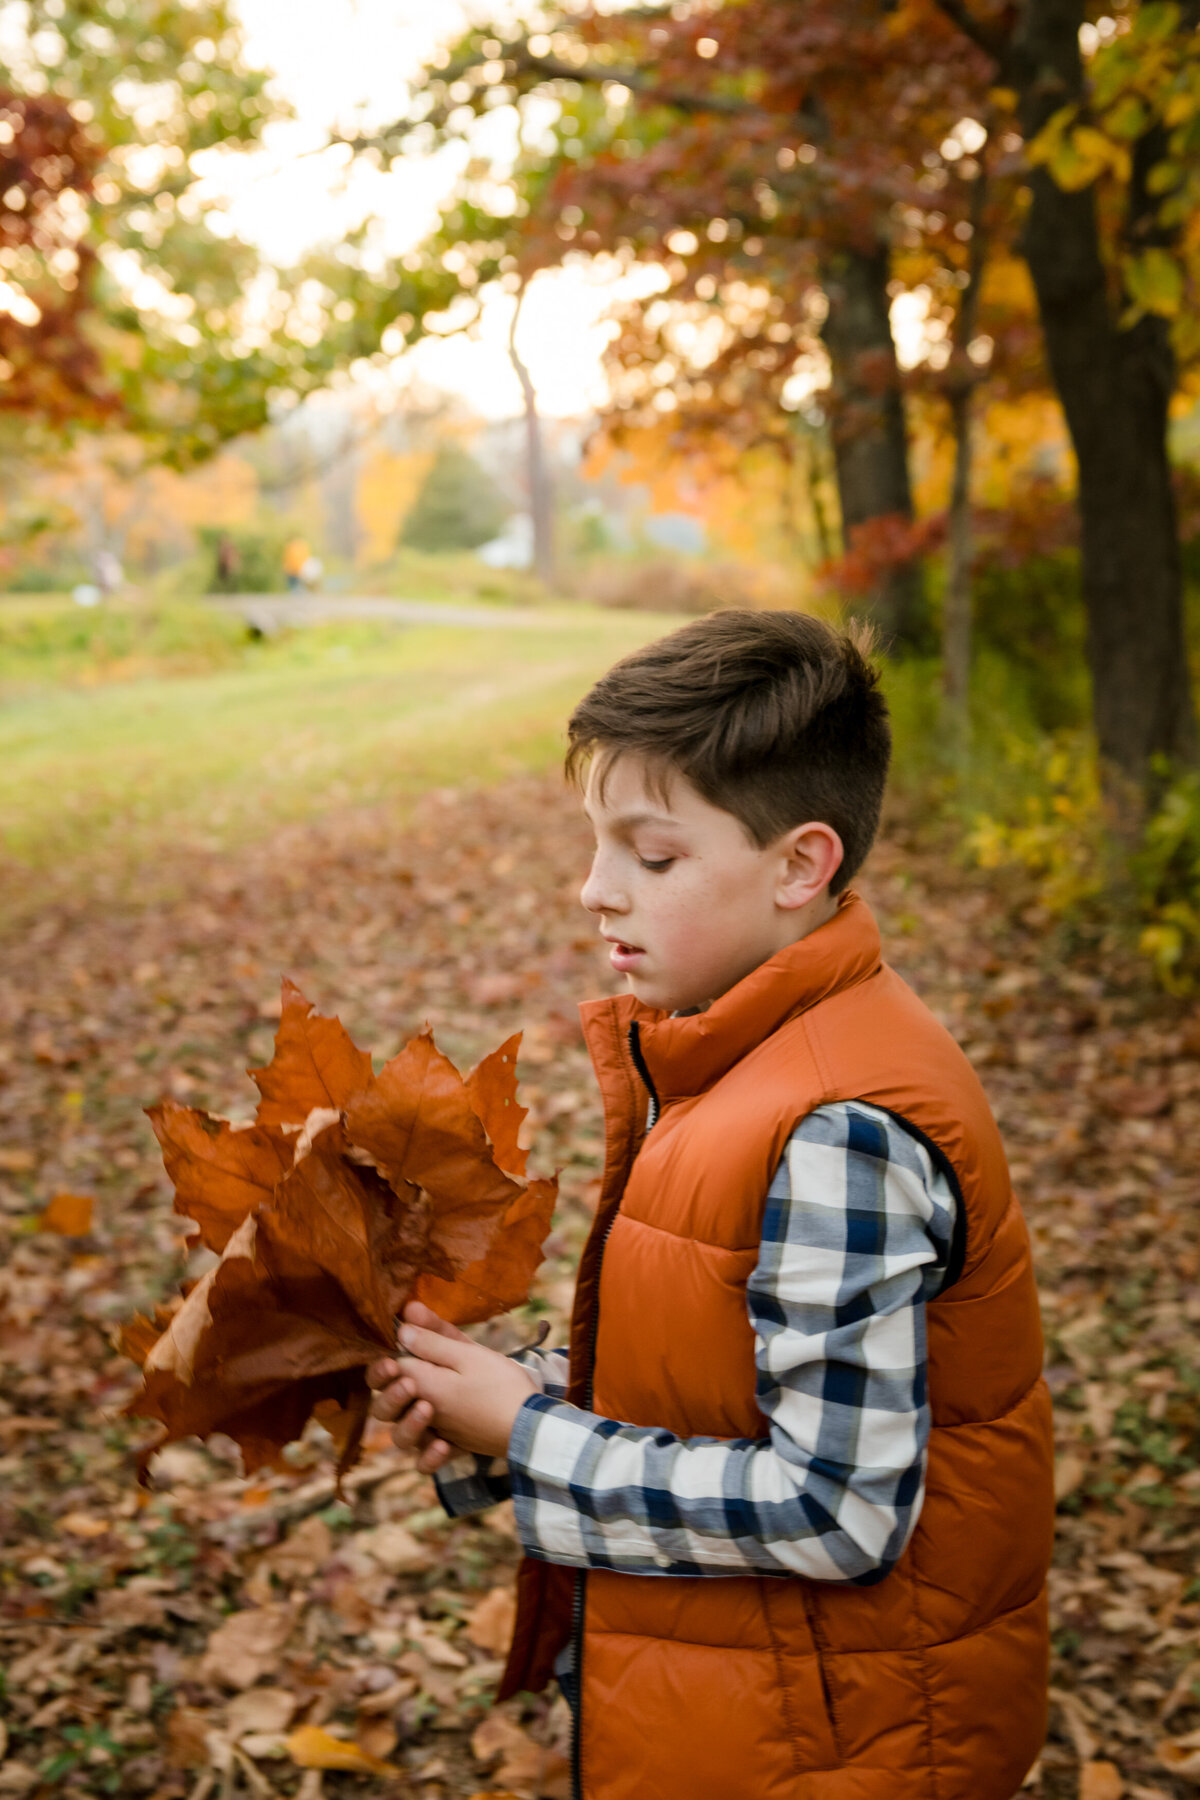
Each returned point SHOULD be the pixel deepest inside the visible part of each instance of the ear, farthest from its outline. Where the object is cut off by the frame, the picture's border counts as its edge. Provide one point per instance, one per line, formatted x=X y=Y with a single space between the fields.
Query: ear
x=812 y=856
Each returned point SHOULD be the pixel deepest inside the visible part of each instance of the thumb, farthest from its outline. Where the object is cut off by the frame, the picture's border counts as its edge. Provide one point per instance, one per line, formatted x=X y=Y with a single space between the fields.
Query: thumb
x=432 y=1346
x=417 y=1313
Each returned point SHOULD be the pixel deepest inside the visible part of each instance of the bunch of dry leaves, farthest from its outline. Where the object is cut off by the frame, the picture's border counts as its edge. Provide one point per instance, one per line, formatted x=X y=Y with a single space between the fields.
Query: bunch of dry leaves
x=349 y=1195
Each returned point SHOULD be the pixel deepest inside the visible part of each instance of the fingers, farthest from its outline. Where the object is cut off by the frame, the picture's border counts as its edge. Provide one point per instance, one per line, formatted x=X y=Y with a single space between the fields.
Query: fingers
x=390 y=1402
x=380 y=1373
x=435 y=1453
x=409 y=1430
x=417 y=1313
x=434 y=1346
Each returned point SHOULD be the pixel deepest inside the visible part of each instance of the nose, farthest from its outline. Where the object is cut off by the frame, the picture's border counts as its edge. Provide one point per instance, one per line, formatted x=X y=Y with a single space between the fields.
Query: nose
x=600 y=893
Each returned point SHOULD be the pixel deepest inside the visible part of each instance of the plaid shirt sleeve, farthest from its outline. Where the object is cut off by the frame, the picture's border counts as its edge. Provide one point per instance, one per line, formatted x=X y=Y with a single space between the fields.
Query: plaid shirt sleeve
x=467 y=1484
x=856 y=1239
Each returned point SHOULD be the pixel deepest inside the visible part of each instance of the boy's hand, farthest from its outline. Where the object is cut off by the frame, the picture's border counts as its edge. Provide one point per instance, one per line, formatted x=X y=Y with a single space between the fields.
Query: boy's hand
x=447 y=1388
x=395 y=1402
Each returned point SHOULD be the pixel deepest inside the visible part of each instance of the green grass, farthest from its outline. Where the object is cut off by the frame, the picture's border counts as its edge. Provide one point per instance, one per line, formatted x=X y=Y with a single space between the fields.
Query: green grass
x=48 y=640
x=115 y=776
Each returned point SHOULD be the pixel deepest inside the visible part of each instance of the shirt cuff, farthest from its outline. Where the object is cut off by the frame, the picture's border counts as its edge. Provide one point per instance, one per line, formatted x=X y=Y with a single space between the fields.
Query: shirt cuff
x=469 y=1484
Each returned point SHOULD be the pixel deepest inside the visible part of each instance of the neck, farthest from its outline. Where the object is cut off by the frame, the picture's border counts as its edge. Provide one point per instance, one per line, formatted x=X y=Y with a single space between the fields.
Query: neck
x=809 y=918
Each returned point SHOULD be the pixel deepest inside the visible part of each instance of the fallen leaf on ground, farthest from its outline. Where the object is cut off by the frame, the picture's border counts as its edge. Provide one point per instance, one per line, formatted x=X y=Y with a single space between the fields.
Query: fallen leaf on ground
x=70 y=1215
x=299 y=1555
x=1100 y=1781
x=187 y=1738
x=312 y=1747
x=376 y=1734
x=245 y=1647
x=490 y=1624
x=395 y=1549
x=260 y=1710
x=528 y=1768
x=1182 y=1754
x=84 y=1525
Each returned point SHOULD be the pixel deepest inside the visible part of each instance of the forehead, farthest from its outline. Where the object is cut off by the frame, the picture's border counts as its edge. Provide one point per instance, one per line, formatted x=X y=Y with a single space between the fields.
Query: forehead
x=630 y=782
x=630 y=789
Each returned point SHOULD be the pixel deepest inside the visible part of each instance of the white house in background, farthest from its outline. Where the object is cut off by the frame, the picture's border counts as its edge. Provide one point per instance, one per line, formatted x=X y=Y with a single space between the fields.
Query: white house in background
x=513 y=547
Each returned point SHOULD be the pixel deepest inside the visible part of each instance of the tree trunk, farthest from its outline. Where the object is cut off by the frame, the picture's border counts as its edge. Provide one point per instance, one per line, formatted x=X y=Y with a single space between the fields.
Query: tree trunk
x=956 y=613
x=870 y=444
x=815 y=477
x=541 y=494
x=1115 y=386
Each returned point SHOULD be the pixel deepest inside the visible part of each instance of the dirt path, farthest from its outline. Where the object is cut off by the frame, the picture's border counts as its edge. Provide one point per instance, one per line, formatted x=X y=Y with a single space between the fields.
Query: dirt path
x=131 y=1669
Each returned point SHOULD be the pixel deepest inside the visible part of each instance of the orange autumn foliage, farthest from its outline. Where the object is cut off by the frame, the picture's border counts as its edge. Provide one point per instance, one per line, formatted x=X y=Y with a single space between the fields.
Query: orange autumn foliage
x=348 y=1196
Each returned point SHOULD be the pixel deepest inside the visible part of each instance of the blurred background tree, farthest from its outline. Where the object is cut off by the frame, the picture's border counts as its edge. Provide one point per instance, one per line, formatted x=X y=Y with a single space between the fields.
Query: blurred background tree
x=458 y=506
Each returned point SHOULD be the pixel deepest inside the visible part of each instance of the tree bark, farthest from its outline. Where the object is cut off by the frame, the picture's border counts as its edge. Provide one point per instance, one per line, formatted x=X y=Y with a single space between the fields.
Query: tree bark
x=541 y=494
x=814 y=477
x=867 y=428
x=1115 y=386
x=957 y=609
x=956 y=613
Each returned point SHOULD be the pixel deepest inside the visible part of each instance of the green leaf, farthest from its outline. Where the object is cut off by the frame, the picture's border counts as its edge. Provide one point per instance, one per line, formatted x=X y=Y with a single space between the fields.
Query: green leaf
x=1154 y=280
x=1163 y=177
x=1128 y=119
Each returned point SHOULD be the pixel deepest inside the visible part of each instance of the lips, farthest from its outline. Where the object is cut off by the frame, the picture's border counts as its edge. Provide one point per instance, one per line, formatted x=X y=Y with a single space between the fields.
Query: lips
x=624 y=957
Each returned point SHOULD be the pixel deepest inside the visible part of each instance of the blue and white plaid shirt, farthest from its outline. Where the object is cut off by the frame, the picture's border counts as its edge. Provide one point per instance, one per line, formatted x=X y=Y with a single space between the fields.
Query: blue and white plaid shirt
x=857 y=1236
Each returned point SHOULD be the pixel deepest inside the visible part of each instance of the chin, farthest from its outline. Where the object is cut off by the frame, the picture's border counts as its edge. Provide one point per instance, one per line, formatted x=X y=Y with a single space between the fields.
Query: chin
x=650 y=994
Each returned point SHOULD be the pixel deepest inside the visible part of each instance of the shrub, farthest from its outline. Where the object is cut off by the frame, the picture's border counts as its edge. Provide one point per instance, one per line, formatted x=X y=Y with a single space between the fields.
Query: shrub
x=257 y=561
x=1057 y=836
x=1166 y=872
x=683 y=585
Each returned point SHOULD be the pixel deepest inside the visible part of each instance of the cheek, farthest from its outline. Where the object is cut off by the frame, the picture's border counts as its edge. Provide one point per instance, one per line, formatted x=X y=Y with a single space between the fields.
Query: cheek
x=698 y=908
x=718 y=905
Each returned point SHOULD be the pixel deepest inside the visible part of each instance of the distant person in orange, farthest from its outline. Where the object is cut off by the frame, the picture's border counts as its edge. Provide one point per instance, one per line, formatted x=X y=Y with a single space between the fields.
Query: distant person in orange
x=295 y=554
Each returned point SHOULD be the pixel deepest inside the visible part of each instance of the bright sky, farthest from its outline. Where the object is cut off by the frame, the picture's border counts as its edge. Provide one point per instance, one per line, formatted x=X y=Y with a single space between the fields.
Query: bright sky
x=339 y=61
x=336 y=59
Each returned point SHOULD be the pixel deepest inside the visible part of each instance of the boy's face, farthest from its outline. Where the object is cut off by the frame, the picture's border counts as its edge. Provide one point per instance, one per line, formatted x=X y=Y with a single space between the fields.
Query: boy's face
x=688 y=902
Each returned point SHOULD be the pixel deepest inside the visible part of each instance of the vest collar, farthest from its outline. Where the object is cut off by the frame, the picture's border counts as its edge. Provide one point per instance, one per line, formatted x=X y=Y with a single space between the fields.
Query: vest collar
x=685 y=1056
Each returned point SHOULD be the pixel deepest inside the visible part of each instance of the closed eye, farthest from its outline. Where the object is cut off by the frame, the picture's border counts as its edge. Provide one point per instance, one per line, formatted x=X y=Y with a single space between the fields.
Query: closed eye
x=657 y=868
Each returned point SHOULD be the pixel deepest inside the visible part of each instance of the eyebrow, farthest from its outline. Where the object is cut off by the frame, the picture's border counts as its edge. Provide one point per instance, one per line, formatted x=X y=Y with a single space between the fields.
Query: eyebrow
x=629 y=821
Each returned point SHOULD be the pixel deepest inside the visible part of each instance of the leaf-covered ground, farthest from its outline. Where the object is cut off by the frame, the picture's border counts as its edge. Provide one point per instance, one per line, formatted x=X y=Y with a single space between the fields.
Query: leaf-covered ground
x=170 y=1643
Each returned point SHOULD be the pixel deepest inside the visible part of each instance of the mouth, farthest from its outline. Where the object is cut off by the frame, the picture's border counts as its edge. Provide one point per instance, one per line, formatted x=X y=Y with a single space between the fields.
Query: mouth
x=624 y=957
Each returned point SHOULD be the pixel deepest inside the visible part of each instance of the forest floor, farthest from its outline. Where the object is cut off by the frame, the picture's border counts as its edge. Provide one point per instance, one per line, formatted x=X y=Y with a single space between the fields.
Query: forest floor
x=164 y=1643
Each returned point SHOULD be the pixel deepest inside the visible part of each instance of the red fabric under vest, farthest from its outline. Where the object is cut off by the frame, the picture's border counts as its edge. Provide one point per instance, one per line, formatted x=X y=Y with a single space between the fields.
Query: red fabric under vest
x=931 y=1684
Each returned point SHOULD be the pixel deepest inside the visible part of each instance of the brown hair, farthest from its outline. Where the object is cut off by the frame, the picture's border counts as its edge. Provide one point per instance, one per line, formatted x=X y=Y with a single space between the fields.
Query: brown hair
x=775 y=717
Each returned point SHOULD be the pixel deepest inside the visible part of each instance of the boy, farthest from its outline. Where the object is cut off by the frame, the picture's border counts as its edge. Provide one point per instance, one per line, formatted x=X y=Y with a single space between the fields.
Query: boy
x=786 y=1505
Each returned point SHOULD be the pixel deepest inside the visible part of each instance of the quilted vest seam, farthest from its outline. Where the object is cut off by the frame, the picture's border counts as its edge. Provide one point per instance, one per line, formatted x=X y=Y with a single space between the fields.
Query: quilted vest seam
x=688 y=1237
x=785 y=1694
x=998 y=1418
x=922 y=1662
x=916 y=1651
x=820 y=1644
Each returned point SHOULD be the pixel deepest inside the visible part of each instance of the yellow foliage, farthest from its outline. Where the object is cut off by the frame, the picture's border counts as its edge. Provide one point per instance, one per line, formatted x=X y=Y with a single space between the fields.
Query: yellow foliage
x=388 y=484
x=752 y=505
x=1057 y=831
x=223 y=492
x=1013 y=439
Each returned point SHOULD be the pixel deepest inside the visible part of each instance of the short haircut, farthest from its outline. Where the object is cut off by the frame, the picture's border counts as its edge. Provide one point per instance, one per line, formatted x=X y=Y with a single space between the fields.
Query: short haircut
x=775 y=717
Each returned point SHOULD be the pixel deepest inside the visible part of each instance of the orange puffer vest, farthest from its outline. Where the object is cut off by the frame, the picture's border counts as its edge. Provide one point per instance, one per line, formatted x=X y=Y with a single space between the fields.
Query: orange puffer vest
x=930 y=1684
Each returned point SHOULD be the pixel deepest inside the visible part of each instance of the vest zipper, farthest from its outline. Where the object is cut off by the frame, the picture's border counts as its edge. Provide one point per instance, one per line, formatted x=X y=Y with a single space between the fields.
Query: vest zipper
x=579 y=1598
x=639 y=1063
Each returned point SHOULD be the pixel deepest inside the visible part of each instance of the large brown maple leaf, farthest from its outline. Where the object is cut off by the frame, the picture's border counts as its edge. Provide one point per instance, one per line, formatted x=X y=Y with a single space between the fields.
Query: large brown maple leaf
x=349 y=1195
